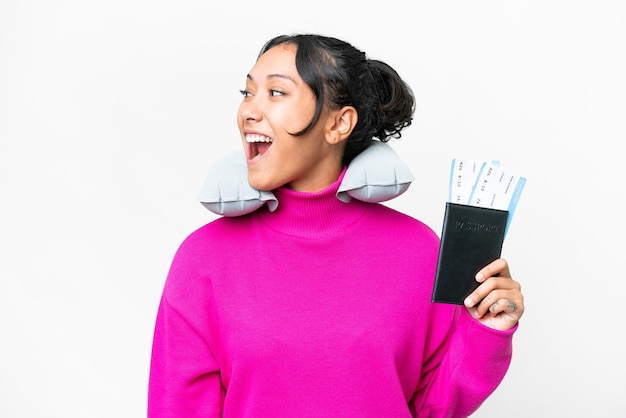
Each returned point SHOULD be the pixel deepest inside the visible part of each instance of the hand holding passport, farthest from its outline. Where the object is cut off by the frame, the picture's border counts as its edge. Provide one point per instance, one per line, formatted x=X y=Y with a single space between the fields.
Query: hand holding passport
x=482 y=199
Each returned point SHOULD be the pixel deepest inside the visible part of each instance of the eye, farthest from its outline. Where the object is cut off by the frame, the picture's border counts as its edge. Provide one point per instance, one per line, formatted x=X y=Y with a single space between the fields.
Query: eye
x=245 y=93
x=276 y=93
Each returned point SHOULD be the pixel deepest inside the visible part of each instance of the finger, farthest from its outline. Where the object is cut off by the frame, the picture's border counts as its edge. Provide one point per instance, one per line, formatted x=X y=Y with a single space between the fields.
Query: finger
x=509 y=306
x=508 y=301
x=479 y=293
x=487 y=292
x=498 y=267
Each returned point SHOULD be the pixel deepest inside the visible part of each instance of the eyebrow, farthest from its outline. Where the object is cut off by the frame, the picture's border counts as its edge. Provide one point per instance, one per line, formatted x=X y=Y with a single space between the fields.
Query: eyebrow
x=278 y=75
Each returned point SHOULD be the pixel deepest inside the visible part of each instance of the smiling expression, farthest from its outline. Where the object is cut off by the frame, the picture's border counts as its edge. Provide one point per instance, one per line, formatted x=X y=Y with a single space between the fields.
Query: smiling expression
x=277 y=103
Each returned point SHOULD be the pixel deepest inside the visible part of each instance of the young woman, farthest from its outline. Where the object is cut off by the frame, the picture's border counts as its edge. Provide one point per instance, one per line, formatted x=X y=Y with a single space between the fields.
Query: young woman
x=322 y=308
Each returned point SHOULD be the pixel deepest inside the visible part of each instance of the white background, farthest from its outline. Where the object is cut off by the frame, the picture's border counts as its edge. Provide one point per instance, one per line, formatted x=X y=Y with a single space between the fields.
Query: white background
x=111 y=112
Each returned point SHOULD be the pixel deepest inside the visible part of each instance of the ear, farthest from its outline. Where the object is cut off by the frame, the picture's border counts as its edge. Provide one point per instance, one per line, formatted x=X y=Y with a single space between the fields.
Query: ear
x=340 y=124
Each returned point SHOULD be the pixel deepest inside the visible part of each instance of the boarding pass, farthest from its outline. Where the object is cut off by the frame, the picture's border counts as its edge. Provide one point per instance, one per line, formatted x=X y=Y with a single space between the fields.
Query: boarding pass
x=484 y=183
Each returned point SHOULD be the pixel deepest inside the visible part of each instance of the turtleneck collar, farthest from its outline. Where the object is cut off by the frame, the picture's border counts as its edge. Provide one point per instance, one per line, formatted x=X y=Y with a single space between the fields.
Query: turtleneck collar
x=313 y=214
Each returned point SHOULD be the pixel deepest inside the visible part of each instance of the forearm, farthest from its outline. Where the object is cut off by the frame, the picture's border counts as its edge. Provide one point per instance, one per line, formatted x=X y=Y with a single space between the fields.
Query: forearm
x=469 y=370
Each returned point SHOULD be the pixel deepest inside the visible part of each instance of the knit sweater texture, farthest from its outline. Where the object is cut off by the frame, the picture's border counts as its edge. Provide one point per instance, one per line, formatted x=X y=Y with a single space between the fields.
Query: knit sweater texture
x=318 y=309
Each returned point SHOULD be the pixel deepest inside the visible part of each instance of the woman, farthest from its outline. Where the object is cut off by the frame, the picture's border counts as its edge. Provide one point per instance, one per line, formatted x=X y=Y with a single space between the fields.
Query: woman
x=321 y=308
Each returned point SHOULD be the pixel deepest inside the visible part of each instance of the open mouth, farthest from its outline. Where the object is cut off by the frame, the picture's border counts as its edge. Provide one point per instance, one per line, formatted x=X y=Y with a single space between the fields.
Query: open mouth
x=257 y=145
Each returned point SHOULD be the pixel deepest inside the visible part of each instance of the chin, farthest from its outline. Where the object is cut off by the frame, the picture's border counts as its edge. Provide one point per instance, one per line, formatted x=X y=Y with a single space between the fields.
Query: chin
x=262 y=184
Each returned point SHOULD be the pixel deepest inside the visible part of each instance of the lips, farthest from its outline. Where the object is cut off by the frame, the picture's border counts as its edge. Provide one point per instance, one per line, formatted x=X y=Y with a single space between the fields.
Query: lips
x=257 y=145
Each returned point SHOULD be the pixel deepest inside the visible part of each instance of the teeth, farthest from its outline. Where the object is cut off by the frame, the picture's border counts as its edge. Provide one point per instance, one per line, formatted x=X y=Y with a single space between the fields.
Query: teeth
x=257 y=138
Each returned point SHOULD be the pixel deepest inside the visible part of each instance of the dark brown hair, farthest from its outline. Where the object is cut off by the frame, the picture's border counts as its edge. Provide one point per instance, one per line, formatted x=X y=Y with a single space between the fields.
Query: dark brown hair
x=341 y=75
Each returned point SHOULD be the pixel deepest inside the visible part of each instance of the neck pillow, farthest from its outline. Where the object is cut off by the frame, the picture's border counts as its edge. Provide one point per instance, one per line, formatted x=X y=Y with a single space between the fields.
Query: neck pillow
x=375 y=175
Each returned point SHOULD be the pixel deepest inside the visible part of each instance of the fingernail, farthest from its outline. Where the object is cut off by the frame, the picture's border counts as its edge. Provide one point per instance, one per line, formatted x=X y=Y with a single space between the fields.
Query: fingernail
x=479 y=276
x=468 y=301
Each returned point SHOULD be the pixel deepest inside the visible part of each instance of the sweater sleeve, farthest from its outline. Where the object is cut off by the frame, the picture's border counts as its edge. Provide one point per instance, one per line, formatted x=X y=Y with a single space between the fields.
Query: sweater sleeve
x=465 y=369
x=184 y=373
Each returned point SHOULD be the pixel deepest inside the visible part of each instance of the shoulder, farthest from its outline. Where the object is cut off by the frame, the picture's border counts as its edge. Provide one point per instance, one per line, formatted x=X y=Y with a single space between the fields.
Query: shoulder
x=219 y=229
x=201 y=253
x=209 y=237
x=402 y=223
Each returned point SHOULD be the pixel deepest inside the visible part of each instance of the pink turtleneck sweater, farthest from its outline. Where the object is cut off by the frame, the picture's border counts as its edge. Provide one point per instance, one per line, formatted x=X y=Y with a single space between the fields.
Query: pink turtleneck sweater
x=319 y=309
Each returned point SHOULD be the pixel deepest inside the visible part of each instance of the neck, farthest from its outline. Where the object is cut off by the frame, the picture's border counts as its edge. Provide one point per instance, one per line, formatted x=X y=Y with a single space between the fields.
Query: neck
x=323 y=177
x=316 y=214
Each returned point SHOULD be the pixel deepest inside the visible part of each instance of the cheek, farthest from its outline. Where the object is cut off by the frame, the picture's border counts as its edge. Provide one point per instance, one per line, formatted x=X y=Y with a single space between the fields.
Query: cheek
x=292 y=117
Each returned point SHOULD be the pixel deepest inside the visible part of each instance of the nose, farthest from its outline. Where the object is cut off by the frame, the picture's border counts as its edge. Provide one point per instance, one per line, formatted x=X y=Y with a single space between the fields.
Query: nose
x=249 y=109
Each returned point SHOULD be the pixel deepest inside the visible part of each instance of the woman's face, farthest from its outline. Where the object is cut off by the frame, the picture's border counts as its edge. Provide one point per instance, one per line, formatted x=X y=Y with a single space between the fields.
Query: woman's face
x=276 y=103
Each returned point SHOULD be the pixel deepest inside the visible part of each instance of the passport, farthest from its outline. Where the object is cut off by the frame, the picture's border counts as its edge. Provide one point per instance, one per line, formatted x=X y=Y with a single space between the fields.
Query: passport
x=471 y=238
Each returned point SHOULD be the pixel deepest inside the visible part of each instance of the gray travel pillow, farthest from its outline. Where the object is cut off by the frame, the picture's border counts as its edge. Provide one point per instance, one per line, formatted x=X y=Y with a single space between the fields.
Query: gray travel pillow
x=375 y=175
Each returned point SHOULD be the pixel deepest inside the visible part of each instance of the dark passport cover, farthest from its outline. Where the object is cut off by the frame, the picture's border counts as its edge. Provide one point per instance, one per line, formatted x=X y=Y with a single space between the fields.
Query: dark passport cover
x=471 y=238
